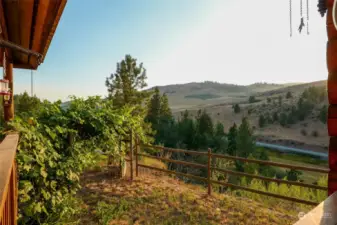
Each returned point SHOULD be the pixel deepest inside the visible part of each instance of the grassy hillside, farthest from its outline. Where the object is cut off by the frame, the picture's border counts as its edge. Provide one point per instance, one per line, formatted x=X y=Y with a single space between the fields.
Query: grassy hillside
x=299 y=88
x=310 y=133
x=189 y=95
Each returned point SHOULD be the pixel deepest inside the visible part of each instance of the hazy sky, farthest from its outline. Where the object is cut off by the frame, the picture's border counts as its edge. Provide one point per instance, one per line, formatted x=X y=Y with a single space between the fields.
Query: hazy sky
x=179 y=41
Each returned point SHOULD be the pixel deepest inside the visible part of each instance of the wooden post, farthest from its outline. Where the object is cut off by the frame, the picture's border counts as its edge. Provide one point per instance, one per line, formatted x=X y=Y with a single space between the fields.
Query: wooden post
x=332 y=96
x=9 y=108
x=131 y=156
x=137 y=146
x=209 y=172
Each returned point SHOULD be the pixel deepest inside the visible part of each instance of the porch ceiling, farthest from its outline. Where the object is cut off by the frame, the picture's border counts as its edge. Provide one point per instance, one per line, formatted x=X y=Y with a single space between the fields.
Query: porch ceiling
x=30 y=24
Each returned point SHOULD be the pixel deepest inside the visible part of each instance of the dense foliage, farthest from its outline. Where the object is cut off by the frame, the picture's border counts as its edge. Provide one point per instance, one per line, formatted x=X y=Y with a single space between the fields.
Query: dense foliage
x=58 y=142
x=56 y=145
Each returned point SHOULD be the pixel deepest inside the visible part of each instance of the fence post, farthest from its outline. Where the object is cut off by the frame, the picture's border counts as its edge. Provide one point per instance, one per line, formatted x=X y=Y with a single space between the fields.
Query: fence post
x=209 y=172
x=137 y=146
x=131 y=156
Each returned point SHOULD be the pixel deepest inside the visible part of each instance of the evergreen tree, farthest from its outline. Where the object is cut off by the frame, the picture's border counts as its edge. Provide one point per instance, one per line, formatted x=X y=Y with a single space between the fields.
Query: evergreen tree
x=126 y=84
x=323 y=114
x=262 y=121
x=236 y=108
x=244 y=142
x=219 y=129
x=289 y=95
x=232 y=134
x=280 y=100
x=269 y=100
x=275 y=116
x=186 y=131
x=204 y=123
x=165 y=110
x=283 y=119
x=154 y=108
x=252 y=99
x=220 y=141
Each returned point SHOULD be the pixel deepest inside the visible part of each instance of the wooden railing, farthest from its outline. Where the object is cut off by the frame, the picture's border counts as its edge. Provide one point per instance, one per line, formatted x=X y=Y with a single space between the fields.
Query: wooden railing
x=211 y=168
x=8 y=180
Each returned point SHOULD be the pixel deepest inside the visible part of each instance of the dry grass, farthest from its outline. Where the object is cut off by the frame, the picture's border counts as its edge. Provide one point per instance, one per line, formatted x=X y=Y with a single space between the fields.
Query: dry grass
x=157 y=199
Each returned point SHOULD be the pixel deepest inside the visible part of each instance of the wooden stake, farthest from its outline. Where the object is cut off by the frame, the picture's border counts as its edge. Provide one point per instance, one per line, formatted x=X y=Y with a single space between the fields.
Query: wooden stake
x=137 y=146
x=131 y=156
x=209 y=172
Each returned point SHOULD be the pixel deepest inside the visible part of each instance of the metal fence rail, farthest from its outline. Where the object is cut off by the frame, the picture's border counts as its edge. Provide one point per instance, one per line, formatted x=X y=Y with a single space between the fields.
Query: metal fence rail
x=210 y=168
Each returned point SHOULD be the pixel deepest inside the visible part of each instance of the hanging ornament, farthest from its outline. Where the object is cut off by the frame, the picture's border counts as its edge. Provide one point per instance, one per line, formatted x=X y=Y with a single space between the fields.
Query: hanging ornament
x=307 y=17
x=322 y=7
x=302 y=20
x=290 y=18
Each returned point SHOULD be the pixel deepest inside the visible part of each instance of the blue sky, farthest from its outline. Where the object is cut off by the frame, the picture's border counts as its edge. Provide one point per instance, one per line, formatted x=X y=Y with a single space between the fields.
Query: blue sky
x=179 y=41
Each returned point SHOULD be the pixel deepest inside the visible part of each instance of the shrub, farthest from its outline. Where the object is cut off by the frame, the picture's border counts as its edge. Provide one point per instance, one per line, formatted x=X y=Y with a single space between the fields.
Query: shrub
x=293 y=175
x=252 y=99
x=314 y=133
x=280 y=100
x=289 y=95
x=323 y=114
x=250 y=111
x=268 y=100
x=236 y=108
x=275 y=116
x=262 y=121
x=304 y=132
x=283 y=119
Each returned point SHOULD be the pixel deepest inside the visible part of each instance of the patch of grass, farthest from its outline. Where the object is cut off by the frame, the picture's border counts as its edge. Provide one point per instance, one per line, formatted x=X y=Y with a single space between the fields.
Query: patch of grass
x=203 y=96
x=153 y=162
x=106 y=212
x=163 y=200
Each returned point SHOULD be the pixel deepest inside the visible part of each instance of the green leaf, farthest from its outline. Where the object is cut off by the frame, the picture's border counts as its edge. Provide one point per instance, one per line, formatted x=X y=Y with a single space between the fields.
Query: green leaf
x=43 y=172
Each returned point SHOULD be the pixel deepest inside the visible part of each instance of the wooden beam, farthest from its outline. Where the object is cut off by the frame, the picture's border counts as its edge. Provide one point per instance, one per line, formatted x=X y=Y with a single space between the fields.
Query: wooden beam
x=37 y=34
x=60 y=5
x=13 y=25
x=26 y=9
x=4 y=33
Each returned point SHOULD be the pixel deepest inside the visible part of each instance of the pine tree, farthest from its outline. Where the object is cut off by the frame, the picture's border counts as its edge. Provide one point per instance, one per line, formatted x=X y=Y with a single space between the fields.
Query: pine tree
x=154 y=108
x=232 y=134
x=236 y=108
x=219 y=129
x=262 y=121
x=126 y=84
x=187 y=131
x=220 y=142
x=204 y=123
x=289 y=95
x=165 y=110
x=244 y=142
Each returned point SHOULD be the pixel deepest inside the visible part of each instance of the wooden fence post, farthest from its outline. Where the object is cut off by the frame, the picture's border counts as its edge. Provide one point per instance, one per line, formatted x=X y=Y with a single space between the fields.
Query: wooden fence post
x=209 y=172
x=131 y=156
x=137 y=146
